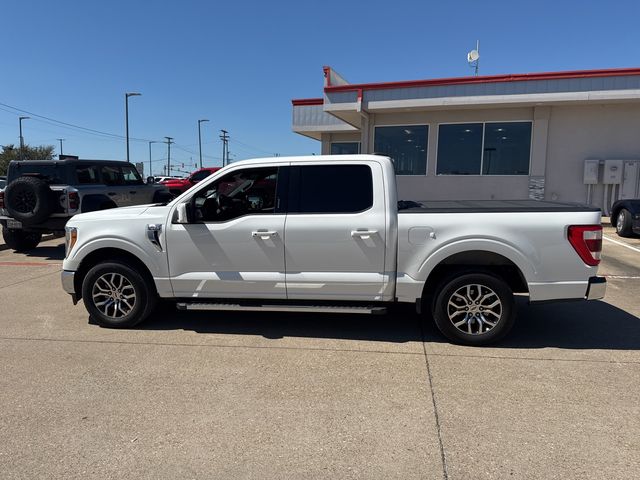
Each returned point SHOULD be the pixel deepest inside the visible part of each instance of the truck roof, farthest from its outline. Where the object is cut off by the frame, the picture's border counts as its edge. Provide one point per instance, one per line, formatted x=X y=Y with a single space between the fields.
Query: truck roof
x=315 y=158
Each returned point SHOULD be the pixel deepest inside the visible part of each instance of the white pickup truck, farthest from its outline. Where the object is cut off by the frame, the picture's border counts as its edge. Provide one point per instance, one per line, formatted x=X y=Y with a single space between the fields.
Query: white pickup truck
x=326 y=233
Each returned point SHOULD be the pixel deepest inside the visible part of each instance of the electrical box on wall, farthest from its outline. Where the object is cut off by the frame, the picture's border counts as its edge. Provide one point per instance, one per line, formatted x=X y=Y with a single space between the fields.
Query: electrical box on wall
x=612 y=174
x=591 y=168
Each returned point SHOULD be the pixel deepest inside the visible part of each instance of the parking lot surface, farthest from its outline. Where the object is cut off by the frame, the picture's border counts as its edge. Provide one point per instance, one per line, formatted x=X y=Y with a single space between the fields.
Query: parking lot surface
x=264 y=395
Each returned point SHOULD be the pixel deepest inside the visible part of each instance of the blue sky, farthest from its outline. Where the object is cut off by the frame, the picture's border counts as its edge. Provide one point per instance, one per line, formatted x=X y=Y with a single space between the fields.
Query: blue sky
x=240 y=63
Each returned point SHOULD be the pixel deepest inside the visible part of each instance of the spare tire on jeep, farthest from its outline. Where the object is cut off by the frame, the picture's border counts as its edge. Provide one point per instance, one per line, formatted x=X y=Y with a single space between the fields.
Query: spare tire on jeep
x=29 y=200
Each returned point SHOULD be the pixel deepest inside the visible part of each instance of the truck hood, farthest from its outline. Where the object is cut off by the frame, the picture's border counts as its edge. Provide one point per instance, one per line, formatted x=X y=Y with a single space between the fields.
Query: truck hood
x=119 y=213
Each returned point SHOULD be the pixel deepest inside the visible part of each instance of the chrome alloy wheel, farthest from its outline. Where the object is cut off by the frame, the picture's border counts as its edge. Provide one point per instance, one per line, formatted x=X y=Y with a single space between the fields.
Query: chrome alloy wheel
x=620 y=221
x=474 y=309
x=114 y=295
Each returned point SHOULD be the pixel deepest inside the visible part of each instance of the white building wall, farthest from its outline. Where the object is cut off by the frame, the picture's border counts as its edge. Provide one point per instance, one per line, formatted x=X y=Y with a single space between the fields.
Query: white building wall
x=563 y=137
x=577 y=133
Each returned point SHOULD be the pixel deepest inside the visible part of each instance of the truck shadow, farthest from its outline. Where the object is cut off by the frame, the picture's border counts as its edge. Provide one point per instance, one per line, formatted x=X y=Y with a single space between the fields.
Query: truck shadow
x=571 y=325
x=48 y=252
x=574 y=325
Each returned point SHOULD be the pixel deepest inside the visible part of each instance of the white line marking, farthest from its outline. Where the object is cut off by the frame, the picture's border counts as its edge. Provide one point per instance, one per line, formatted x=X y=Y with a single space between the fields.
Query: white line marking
x=624 y=277
x=622 y=244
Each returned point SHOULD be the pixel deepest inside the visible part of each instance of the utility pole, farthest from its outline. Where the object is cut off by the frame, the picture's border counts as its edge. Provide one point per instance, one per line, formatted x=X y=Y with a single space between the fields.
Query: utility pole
x=225 y=146
x=200 y=139
x=60 y=140
x=152 y=141
x=21 y=137
x=169 y=142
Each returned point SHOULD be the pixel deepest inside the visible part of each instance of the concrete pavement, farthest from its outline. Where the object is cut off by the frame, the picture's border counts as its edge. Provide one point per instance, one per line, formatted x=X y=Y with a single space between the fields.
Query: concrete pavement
x=239 y=395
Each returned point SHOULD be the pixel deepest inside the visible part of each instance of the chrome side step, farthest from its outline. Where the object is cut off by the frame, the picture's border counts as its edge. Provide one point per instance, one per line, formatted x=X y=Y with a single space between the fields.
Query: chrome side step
x=370 y=310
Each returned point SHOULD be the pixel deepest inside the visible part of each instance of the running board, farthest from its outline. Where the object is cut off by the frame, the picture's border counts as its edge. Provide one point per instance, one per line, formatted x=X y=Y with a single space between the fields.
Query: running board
x=370 y=310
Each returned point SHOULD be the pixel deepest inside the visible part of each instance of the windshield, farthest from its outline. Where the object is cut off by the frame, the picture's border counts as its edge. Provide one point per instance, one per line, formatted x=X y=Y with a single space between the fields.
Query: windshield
x=198 y=176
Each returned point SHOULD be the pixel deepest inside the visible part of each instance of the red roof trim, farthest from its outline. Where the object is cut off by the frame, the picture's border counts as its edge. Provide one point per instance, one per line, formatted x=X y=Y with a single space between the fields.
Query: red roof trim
x=520 y=77
x=307 y=101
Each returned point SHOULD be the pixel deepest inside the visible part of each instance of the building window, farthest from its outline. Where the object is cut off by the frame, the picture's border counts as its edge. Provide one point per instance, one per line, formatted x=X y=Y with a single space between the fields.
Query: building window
x=492 y=148
x=345 y=148
x=406 y=145
x=507 y=148
x=459 y=149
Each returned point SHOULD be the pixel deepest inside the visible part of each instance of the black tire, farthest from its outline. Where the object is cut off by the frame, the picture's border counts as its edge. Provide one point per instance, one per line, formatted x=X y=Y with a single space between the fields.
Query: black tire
x=623 y=223
x=469 y=300
x=126 y=313
x=29 y=200
x=19 y=240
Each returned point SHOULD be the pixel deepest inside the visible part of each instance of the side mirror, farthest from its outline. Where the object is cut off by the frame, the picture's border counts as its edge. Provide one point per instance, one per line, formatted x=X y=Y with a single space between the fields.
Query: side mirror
x=184 y=213
x=151 y=180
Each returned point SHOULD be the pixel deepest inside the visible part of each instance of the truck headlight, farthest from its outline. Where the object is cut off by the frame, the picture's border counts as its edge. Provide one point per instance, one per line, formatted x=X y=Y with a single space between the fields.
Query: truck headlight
x=70 y=239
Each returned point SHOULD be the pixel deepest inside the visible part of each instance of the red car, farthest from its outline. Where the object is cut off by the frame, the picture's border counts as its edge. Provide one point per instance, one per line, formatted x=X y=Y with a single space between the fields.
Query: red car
x=179 y=185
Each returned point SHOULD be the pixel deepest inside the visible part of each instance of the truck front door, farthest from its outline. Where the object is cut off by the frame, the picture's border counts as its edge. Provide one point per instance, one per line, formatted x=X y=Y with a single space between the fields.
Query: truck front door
x=234 y=247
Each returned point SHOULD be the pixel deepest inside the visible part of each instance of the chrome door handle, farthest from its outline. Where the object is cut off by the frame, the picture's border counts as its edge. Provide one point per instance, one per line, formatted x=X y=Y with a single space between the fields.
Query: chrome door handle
x=363 y=233
x=264 y=235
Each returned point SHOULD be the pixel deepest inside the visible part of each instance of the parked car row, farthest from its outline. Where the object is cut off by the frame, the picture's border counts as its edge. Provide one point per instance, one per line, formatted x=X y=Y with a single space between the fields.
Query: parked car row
x=180 y=185
x=41 y=196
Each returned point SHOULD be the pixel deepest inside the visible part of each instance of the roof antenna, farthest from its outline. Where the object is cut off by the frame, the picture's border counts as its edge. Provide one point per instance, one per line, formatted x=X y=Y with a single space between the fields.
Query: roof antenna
x=473 y=57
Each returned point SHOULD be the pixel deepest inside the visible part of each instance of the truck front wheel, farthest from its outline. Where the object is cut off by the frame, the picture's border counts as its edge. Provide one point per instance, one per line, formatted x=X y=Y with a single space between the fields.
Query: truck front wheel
x=474 y=309
x=117 y=296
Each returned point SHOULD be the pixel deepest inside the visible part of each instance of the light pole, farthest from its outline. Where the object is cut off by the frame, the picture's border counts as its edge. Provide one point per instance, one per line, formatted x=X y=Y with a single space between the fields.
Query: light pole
x=21 y=137
x=126 y=116
x=60 y=140
x=200 y=139
x=169 y=142
x=152 y=141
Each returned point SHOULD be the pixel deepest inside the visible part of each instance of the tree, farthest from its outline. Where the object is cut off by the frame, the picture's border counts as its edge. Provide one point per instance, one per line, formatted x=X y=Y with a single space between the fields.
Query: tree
x=10 y=152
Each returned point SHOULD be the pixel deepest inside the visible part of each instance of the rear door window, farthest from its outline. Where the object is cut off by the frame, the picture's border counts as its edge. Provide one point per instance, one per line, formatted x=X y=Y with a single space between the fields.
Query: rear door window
x=331 y=189
x=111 y=175
x=87 y=174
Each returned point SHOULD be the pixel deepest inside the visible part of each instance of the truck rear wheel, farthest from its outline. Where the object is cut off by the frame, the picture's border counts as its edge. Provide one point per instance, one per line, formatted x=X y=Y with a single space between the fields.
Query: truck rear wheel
x=117 y=296
x=19 y=240
x=474 y=309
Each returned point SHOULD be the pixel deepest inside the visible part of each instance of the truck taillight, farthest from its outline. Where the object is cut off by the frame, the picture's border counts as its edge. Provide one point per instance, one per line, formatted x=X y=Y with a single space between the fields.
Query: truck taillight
x=587 y=242
x=1 y=198
x=74 y=200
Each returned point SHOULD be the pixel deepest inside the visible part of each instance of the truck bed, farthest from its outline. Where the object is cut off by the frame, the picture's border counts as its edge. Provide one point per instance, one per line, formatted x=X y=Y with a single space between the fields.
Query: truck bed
x=488 y=206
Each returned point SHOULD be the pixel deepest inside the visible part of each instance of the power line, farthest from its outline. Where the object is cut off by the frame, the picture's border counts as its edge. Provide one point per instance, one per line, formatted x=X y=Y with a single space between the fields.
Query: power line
x=69 y=125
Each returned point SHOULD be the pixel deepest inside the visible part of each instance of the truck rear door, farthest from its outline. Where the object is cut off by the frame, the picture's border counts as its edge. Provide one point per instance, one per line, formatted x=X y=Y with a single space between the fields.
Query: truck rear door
x=335 y=232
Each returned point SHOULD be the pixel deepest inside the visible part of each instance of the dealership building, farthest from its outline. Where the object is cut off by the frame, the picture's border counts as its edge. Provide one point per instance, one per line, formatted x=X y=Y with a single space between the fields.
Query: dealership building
x=566 y=136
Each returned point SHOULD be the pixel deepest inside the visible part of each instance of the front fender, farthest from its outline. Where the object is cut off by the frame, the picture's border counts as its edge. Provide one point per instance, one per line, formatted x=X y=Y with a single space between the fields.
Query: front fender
x=154 y=260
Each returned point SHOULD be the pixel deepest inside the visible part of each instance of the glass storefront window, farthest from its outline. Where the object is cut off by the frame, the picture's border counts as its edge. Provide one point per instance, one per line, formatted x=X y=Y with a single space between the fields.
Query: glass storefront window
x=507 y=148
x=459 y=149
x=406 y=145
x=491 y=148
